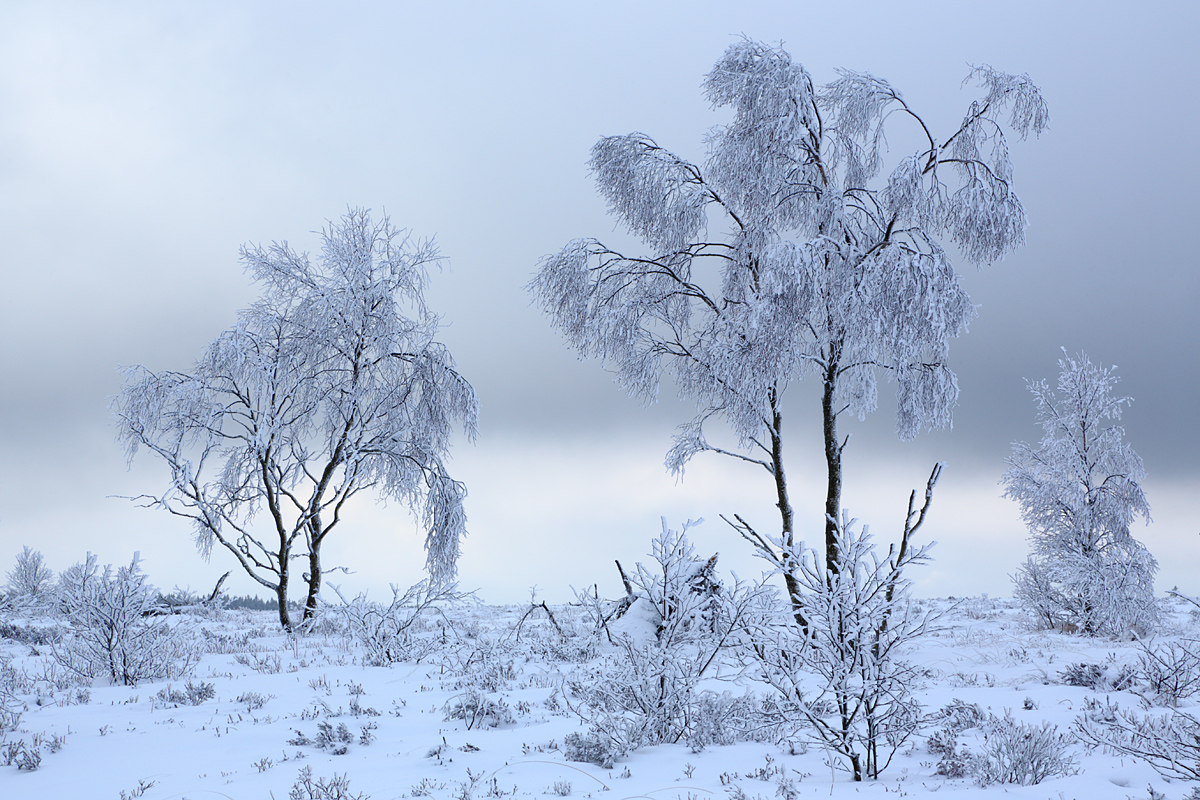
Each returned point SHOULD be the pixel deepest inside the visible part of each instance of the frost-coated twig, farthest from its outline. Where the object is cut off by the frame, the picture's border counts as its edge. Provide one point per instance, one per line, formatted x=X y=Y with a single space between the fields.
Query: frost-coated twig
x=549 y=614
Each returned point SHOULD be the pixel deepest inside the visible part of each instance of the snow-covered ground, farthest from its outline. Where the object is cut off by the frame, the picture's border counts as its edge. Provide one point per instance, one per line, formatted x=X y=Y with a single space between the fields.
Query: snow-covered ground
x=486 y=711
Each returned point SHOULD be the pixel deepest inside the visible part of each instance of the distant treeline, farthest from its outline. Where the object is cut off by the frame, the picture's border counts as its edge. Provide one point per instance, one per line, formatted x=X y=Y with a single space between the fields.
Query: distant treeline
x=255 y=603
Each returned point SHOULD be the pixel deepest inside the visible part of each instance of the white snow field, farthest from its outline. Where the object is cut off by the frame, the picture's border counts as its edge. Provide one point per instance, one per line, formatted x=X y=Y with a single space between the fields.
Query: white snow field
x=481 y=707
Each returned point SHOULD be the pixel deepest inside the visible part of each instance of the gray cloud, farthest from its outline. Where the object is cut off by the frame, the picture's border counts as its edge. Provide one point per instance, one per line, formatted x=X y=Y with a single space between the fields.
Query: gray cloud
x=140 y=147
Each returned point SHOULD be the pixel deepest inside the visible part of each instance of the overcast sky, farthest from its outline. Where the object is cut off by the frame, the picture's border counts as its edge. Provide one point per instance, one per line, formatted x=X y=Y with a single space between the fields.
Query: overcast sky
x=142 y=143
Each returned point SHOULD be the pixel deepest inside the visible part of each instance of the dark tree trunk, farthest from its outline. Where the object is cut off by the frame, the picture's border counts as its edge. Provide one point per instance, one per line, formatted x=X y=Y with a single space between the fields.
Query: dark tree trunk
x=281 y=595
x=314 y=580
x=786 y=514
x=833 y=464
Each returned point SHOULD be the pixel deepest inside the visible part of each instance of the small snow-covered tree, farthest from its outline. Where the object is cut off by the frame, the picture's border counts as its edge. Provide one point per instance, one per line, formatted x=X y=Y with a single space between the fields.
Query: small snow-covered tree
x=671 y=633
x=1079 y=490
x=332 y=384
x=113 y=631
x=843 y=672
x=29 y=579
x=824 y=265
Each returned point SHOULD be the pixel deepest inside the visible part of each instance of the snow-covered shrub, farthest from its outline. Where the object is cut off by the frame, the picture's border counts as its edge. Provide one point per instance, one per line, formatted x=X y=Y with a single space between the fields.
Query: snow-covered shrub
x=112 y=632
x=1015 y=752
x=27 y=756
x=998 y=749
x=841 y=673
x=1169 y=742
x=333 y=739
x=1079 y=491
x=477 y=659
x=193 y=694
x=643 y=696
x=958 y=716
x=335 y=788
x=479 y=711
x=670 y=633
x=390 y=634
x=564 y=639
x=254 y=700
x=1100 y=678
x=30 y=634
x=592 y=748
x=954 y=760
x=1171 y=671
x=13 y=682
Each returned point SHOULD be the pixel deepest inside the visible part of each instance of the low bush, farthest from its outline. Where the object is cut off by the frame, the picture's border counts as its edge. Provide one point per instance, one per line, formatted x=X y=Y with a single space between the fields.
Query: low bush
x=669 y=632
x=1015 y=752
x=335 y=788
x=479 y=711
x=112 y=632
x=1169 y=742
x=1098 y=677
x=390 y=634
x=1170 y=671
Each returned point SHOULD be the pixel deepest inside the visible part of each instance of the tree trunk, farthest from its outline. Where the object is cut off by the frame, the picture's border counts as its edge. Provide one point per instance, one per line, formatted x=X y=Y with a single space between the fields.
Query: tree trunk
x=314 y=580
x=833 y=464
x=316 y=537
x=281 y=595
x=786 y=514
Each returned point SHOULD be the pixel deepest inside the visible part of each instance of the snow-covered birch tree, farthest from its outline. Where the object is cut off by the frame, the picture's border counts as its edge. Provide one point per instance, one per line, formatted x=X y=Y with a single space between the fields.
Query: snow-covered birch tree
x=30 y=580
x=331 y=385
x=819 y=264
x=1079 y=490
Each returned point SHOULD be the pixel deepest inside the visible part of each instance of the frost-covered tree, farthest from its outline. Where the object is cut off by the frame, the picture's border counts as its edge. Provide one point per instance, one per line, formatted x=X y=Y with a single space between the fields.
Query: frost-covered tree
x=332 y=384
x=29 y=579
x=1079 y=490
x=818 y=263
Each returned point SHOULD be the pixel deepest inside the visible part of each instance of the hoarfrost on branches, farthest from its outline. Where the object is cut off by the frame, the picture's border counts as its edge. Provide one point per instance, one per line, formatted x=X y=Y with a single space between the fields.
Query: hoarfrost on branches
x=672 y=632
x=824 y=266
x=113 y=631
x=842 y=672
x=29 y=581
x=1080 y=490
x=330 y=385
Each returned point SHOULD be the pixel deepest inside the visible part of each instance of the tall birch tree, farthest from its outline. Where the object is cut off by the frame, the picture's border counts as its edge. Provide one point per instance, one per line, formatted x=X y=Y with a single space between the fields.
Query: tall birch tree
x=790 y=253
x=330 y=386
